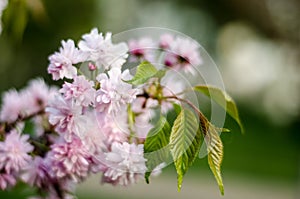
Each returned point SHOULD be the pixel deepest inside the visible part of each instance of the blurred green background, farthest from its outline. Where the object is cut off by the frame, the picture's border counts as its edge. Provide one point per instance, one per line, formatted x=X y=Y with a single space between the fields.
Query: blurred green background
x=256 y=45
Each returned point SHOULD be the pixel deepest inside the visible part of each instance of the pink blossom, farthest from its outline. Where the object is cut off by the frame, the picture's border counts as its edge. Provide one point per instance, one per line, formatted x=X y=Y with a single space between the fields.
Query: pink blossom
x=53 y=195
x=39 y=122
x=142 y=49
x=124 y=164
x=81 y=90
x=114 y=126
x=14 y=152
x=86 y=126
x=11 y=106
x=62 y=62
x=37 y=173
x=61 y=189
x=183 y=55
x=70 y=160
x=94 y=138
x=35 y=97
x=142 y=105
x=67 y=117
x=92 y=67
x=144 y=112
x=30 y=100
x=114 y=92
x=7 y=180
x=43 y=178
x=143 y=124
x=102 y=51
x=166 y=41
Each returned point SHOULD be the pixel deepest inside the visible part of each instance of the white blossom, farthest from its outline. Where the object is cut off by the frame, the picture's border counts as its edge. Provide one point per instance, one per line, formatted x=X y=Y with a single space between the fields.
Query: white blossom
x=102 y=51
x=125 y=163
x=62 y=62
x=114 y=92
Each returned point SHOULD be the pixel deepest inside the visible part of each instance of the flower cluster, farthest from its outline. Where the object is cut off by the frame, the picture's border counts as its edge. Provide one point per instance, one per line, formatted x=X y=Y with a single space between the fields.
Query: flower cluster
x=179 y=53
x=98 y=121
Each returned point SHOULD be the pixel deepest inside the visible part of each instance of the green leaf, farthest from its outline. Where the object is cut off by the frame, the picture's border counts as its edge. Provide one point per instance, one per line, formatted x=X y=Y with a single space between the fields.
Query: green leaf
x=156 y=149
x=144 y=72
x=215 y=154
x=131 y=121
x=214 y=148
x=29 y=128
x=223 y=99
x=160 y=74
x=185 y=142
x=177 y=108
x=20 y=190
x=173 y=113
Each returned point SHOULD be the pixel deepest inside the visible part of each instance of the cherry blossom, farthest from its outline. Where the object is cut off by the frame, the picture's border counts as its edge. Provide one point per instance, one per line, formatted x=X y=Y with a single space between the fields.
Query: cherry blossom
x=98 y=120
x=35 y=97
x=102 y=51
x=125 y=163
x=166 y=41
x=81 y=90
x=11 y=106
x=142 y=49
x=30 y=100
x=7 y=180
x=183 y=54
x=66 y=116
x=70 y=160
x=14 y=152
x=115 y=127
x=37 y=173
x=114 y=92
x=62 y=62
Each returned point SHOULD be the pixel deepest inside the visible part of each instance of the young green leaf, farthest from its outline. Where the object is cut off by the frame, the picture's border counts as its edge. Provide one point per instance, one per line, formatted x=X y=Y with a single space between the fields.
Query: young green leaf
x=173 y=113
x=156 y=149
x=144 y=72
x=223 y=99
x=214 y=148
x=160 y=74
x=215 y=154
x=185 y=142
x=177 y=108
x=29 y=128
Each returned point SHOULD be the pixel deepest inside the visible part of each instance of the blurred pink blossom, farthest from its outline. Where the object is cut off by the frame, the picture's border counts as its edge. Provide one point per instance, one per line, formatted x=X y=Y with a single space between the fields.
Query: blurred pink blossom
x=14 y=152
